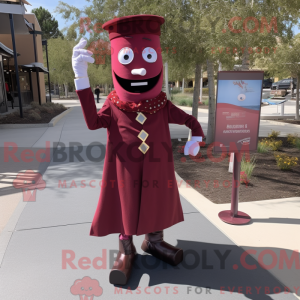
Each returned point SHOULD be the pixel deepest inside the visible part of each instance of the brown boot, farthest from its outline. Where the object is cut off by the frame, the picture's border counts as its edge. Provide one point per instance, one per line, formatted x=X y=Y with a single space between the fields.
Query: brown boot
x=121 y=269
x=155 y=245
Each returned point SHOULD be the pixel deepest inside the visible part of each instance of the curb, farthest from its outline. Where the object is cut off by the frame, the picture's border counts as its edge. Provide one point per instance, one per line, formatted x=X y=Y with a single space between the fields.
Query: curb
x=283 y=124
x=288 y=117
x=52 y=123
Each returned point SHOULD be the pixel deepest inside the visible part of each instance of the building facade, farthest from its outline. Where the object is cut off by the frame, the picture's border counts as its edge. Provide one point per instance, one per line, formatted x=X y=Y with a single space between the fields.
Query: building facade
x=23 y=33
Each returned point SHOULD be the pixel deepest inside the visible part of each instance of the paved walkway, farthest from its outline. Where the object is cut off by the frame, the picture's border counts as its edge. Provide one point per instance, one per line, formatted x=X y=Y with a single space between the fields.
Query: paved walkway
x=40 y=237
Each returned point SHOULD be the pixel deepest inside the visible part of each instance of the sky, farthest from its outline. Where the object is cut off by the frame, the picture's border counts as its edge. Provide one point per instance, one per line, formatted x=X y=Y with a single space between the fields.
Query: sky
x=51 y=5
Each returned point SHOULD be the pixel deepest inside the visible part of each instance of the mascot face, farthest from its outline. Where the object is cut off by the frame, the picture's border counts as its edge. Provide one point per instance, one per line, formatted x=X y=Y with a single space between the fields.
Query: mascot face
x=137 y=67
x=136 y=61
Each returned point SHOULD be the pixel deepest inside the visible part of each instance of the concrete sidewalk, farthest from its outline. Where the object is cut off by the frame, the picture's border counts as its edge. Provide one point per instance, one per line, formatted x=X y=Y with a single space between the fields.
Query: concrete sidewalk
x=40 y=235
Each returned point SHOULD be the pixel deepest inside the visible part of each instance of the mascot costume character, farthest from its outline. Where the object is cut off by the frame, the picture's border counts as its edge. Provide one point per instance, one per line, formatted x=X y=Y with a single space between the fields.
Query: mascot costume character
x=140 y=195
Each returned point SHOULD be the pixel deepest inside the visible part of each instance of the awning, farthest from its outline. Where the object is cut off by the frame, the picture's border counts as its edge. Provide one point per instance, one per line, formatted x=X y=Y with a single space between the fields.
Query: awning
x=36 y=66
x=5 y=51
x=17 y=9
x=15 y=1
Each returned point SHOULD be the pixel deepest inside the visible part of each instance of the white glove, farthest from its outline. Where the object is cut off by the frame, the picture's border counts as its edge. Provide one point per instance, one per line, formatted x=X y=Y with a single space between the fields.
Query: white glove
x=192 y=147
x=80 y=59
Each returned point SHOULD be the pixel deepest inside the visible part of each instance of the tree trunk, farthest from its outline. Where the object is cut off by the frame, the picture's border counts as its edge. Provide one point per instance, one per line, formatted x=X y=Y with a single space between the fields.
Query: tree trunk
x=182 y=85
x=106 y=89
x=196 y=95
x=201 y=83
x=196 y=91
x=66 y=90
x=245 y=61
x=297 y=98
x=211 y=103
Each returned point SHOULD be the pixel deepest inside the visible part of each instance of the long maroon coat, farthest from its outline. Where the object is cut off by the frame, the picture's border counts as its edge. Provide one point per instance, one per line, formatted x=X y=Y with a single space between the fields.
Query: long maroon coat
x=139 y=193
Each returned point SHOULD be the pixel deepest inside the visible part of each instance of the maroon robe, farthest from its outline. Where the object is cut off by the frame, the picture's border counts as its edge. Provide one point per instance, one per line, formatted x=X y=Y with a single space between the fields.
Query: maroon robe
x=139 y=192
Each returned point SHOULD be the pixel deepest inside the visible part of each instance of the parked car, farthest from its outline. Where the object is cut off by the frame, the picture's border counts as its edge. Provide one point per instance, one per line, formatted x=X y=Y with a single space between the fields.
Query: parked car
x=284 y=84
x=267 y=83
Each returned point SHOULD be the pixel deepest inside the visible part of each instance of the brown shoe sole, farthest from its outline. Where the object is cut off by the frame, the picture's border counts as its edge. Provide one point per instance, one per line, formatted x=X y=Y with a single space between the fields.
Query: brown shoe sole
x=118 y=277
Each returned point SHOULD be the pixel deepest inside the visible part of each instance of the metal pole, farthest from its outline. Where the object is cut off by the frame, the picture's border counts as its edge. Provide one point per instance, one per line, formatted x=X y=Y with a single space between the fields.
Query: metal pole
x=35 y=58
x=234 y=216
x=235 y=183
x=12 y=30
x=46 y=44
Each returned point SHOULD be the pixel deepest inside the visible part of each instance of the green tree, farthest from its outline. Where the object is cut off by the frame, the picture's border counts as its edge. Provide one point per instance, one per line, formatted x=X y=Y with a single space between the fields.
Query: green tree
x=201 y=31
x=285 y=63
x=60 y=60
x=48 y=23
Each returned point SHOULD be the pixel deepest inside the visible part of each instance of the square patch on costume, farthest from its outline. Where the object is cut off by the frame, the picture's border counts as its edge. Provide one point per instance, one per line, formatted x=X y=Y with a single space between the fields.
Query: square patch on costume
x=143 y=135
x=141 y=118
x=143 y=147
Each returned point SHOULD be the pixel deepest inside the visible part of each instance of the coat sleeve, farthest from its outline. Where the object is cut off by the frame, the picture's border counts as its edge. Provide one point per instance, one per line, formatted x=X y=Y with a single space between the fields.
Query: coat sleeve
x=94 y=119
x=178 y=116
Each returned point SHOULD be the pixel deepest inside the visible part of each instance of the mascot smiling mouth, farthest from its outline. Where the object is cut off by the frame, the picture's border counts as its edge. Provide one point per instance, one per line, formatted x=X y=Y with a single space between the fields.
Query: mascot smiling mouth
x=138 y=86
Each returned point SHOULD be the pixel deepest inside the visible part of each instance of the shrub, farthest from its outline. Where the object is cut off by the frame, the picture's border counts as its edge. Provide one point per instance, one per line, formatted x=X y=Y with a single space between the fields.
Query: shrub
x=205 y=102
x=189 y=90
x=272 y=144
x=274 y=134
x=33 y=115
x=43 y=108
x=275 y=145
x=16 y=113
x=175 y=90
x=34 y=104
x=247 y=167
x=243 y=177
x=285 y=162
x=297 y=144
x=55 y=107
x=49 y=110
x=292 y=138
x=204 y=91
x=262 y=147
x=183 y=102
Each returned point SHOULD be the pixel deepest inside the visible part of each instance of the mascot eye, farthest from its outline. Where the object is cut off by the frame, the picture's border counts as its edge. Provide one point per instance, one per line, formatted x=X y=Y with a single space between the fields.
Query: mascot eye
x=149 y=55
x=125 y=56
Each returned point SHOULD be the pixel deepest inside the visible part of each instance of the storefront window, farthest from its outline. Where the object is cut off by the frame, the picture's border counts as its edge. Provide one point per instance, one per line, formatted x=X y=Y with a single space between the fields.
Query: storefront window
x=3 y=104
x=24 y=82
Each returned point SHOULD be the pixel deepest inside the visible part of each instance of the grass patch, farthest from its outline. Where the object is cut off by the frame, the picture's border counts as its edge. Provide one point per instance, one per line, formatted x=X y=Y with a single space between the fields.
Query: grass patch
x=205 y=102
x=297 y=143
x=247 y=167
x=262 y=147
x=182 y=100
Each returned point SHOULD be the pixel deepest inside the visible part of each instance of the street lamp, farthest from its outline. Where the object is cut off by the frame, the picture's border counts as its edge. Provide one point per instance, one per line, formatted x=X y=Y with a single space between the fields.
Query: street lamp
x=44 y=43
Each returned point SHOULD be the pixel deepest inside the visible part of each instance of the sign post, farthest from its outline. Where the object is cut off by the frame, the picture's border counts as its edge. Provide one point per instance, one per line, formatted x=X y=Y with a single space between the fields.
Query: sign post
x=238 y=107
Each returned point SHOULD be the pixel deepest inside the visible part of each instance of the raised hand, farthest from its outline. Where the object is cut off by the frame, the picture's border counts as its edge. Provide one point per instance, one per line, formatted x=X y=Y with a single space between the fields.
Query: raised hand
x=80 y=59
x=192 y=147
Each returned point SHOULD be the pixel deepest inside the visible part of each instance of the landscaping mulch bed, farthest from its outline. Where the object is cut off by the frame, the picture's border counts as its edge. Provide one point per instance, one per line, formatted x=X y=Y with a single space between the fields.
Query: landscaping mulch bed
x=213 y=180
x=16 y=119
